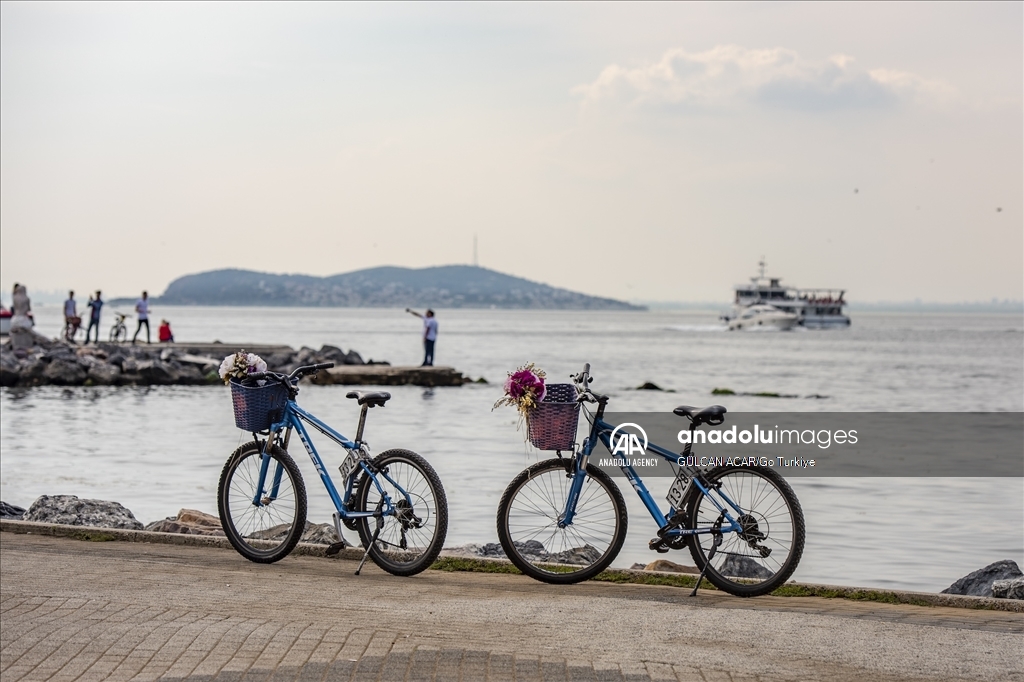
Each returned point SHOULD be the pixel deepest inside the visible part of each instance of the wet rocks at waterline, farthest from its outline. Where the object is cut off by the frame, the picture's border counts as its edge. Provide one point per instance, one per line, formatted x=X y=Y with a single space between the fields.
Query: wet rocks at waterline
x=63 y=364
x=981 y=583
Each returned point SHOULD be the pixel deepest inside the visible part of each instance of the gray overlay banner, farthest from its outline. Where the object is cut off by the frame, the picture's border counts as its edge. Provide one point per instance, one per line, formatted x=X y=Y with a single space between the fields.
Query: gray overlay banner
x=951 y=444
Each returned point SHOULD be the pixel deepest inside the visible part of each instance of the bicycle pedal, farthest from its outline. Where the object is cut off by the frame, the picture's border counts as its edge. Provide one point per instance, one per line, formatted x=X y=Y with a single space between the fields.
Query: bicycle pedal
x=658 y=545
x=334 y=549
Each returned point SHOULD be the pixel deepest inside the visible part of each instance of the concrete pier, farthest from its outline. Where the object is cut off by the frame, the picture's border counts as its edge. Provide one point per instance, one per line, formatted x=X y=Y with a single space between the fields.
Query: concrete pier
x=74 y=610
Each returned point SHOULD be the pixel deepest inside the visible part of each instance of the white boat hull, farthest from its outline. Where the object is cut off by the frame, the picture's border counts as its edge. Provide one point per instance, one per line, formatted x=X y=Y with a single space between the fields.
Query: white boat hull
x=762 y=317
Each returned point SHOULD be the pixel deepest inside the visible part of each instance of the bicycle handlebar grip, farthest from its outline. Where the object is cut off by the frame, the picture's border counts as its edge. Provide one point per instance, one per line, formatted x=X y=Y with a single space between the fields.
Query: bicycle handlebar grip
x=322 y=365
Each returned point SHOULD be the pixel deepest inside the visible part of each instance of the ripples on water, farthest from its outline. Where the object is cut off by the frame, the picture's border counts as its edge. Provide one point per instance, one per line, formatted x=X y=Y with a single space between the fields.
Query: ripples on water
x=160 y=449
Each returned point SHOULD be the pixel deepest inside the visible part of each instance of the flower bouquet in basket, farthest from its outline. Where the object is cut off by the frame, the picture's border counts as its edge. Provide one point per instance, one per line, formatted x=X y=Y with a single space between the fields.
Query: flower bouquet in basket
x=551 y=423
x=524 y=389
x=240 y=365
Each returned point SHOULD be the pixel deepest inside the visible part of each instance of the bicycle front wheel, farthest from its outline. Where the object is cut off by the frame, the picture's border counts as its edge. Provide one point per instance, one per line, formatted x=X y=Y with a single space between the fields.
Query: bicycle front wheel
x=765 y=553
x=118 y=333
x=529 y=513
x=264 y=523
x=410 y=539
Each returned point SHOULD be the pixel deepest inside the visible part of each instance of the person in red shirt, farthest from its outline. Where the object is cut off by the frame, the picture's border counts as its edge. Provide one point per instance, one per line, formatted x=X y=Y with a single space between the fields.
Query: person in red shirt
x=164 y=332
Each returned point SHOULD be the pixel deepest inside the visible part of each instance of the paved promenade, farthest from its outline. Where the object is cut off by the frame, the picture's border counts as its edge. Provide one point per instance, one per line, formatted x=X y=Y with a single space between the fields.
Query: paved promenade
x=74 y=610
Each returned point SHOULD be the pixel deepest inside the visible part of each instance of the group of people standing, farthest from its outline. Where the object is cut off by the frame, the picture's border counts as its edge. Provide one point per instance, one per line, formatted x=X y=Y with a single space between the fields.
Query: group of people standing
x=95 y=306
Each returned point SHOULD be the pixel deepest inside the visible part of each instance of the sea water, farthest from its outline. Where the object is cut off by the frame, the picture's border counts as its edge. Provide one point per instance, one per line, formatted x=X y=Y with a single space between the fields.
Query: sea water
x=159 y=449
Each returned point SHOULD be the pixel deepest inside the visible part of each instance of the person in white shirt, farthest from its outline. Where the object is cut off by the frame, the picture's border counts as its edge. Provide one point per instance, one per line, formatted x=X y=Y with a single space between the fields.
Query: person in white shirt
x=71 y=318
x=70 y=307
x=142 y=308
x=429 y=335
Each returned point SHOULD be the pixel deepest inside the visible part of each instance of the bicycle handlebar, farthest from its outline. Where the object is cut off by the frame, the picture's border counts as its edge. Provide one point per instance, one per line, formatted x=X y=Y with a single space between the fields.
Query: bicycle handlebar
x=583 y=381
x=297 y=374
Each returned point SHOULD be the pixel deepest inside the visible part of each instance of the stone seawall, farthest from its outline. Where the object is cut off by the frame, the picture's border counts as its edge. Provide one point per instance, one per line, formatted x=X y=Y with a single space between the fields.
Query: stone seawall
x=109 y=364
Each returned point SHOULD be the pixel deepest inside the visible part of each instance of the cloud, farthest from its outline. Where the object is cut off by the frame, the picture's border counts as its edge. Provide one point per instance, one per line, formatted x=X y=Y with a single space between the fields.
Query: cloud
x=728 y=75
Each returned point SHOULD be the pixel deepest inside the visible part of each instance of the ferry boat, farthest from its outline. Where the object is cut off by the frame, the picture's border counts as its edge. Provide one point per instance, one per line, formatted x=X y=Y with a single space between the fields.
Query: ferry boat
x=814 y=308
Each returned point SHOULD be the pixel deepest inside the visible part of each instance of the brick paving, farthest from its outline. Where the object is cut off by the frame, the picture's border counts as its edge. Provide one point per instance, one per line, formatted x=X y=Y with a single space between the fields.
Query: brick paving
x=72 y=610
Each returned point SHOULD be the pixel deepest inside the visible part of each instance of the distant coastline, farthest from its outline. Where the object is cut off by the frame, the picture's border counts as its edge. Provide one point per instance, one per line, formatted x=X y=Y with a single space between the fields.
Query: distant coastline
x=450 y=286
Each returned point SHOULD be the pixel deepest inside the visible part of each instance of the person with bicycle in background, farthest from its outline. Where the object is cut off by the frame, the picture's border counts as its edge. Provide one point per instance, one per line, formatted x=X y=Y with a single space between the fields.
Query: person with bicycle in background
x=142 y=308
x=71 y=319
x=95 y=304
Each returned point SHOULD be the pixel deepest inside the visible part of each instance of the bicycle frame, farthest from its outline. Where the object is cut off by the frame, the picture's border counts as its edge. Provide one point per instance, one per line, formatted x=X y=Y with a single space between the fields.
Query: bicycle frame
x=600 y=431
x=292 y=419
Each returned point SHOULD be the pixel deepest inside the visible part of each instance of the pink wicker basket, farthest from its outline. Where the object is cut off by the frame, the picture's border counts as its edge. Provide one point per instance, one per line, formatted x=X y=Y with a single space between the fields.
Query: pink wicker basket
x=552 y=424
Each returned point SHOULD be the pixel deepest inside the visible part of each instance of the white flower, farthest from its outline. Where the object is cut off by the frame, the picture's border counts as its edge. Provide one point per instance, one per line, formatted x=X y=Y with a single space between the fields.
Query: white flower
x=226 y=367
x=256 y=363
x=240 y=365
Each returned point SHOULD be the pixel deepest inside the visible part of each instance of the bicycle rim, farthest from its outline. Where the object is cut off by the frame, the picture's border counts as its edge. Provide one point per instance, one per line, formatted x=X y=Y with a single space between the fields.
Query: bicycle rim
x=411 y=538
x=267 y=531
x=529 y=514
x=773 y=522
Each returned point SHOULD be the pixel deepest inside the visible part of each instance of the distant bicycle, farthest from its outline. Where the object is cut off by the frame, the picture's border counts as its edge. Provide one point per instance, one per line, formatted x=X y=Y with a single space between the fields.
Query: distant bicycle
x=563 y=520
x=394 y=500
x=72 y=326
x=119 y=332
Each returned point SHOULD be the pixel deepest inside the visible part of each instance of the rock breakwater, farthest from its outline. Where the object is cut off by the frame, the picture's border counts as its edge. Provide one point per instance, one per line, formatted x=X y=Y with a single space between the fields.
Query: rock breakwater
x=108 y=364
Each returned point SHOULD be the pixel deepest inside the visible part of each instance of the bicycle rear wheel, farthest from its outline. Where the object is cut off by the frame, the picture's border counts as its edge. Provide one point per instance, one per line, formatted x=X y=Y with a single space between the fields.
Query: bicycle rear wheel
x=410 y=539
x=760 y=558
x=263 y=526
x=118 y=333
x=528 y=516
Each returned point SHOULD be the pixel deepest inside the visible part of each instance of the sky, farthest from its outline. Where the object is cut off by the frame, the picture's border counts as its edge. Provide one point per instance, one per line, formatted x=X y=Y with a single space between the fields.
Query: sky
x=649 y=152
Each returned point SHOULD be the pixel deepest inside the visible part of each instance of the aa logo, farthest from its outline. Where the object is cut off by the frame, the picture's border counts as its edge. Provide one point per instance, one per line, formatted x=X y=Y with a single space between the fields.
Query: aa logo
x=625 y=443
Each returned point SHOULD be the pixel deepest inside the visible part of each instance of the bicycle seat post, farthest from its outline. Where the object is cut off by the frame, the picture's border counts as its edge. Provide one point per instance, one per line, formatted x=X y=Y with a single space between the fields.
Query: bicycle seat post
x=362 y=423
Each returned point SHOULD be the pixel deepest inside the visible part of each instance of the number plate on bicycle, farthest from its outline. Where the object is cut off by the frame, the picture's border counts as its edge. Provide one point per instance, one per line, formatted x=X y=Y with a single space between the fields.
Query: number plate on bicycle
x=678 y=490
x=350 y=464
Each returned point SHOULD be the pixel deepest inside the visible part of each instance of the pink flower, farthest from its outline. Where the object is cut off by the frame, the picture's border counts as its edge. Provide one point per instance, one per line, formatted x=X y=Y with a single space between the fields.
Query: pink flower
x=522 y=382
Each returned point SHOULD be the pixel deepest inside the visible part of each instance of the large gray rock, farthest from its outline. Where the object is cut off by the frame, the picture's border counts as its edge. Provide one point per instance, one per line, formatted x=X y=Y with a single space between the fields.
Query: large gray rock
x=70 y=510
x=668 y=566
x=1008 y=589
x=188 y=522
x=64 y=372
x=10 y=511
x=744 y=567
x=9 y=369
x=979 y=583
x=320 y=534
x=104 y=374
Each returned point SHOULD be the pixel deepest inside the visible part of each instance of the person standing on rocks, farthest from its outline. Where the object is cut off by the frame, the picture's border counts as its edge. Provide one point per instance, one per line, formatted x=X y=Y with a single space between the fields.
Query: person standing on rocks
x=71 y=318
x=142 y=308
x=22 y=336
x=95 y=304
x=429 y=335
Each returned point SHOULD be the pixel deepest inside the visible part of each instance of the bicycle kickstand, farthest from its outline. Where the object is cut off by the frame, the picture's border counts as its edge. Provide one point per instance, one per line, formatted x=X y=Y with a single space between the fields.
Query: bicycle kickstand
x=376 y=534
x=717 y=533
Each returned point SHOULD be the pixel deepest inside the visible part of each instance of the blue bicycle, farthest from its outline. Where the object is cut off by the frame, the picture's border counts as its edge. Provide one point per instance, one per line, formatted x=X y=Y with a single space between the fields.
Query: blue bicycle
x=563 y=520
x=394 y=500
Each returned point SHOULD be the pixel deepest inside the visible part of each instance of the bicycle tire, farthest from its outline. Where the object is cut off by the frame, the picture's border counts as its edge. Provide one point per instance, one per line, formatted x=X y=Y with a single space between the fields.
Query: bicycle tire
x=425 y=524
x=118 y=333
x=770 y=502
x=269 y=532
x=529 y=510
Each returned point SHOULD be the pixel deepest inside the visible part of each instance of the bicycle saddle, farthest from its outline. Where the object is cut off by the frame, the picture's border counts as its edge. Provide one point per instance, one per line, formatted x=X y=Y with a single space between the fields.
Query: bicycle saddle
x=714 y=415
x=371 y=398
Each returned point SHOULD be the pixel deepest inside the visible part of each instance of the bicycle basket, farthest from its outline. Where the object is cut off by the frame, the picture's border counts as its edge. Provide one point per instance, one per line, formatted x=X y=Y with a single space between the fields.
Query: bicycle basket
x=552 y=424
x=253 y=404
